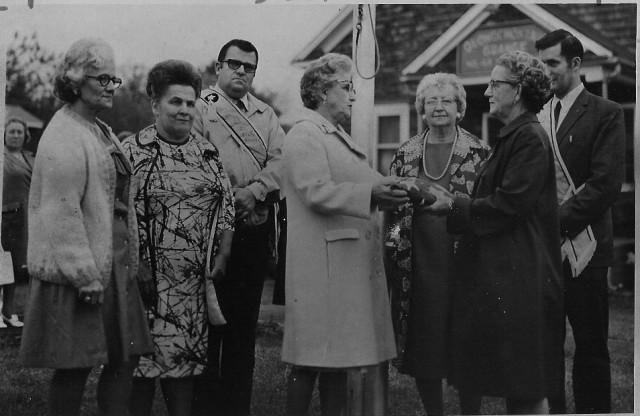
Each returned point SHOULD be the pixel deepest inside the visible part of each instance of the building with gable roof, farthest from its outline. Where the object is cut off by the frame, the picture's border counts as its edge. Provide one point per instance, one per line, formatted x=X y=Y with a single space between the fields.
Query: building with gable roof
x=466 y=39
x=418 y=39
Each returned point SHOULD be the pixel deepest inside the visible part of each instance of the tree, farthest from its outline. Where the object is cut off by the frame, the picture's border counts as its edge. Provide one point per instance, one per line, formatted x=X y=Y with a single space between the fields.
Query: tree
x=131 y=109
x=30 y=74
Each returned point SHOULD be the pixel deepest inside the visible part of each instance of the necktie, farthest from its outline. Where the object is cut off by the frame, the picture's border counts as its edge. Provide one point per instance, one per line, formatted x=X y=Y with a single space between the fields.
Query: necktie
x=556 y=113
x=241 y=105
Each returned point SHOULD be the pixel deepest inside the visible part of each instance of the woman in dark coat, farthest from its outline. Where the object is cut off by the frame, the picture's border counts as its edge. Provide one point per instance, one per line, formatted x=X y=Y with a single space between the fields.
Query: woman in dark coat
x=507 y=308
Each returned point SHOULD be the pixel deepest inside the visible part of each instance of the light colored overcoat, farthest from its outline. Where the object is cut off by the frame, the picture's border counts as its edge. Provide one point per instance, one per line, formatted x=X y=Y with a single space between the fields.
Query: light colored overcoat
x=337 y=311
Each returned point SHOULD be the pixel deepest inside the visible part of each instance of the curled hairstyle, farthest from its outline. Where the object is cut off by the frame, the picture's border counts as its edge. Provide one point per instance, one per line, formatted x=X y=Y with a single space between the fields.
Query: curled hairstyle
x=570 y=46
x=172 y=72
x=529 y=72
x=243 y=45
x=27 y=135
x=83 y=56
x=439 y=80
x=319 y=77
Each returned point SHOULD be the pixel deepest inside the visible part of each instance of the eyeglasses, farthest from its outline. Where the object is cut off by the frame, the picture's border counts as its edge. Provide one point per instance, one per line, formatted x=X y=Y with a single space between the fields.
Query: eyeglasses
x=104 y=80
x=349 y=82
x=248 y=68
x=433 y=102
x=492 y=83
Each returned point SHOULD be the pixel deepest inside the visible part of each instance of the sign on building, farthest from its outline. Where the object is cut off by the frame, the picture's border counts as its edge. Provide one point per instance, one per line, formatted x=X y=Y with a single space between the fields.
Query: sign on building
x=478 y=53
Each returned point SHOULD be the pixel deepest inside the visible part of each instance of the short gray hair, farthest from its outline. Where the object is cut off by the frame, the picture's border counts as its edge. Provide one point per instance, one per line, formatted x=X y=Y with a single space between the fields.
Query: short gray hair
x=530 y=72
x=319 y=77
x=84 y=55
x=440 y=79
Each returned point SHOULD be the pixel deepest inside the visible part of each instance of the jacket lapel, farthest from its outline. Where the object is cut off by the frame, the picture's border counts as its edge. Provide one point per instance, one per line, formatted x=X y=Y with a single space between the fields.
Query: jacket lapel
x=349 y=142
x=576 y=111
x=460 y=150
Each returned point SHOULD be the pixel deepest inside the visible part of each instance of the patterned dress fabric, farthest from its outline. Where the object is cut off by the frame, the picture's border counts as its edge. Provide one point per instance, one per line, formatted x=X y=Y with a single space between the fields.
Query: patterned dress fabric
x=177 y=187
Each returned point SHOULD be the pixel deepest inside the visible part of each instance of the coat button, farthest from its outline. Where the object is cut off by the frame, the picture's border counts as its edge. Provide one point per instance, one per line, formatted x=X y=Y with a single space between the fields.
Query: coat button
x=368 y=235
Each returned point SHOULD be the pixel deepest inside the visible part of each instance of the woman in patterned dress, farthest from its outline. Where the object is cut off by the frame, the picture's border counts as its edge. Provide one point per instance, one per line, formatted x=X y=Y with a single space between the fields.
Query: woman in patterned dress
x=179 y=181
x=421 y=250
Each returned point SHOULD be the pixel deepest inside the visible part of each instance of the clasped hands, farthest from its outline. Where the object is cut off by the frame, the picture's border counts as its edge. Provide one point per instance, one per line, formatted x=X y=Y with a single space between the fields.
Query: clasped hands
x=392 y=192
x=245 y=202
x=92 y=293
x=389 y=194
x=442 y=204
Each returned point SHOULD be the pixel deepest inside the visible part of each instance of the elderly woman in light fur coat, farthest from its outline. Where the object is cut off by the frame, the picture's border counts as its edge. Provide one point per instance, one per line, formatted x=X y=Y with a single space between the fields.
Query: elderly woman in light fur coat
x=84 y=306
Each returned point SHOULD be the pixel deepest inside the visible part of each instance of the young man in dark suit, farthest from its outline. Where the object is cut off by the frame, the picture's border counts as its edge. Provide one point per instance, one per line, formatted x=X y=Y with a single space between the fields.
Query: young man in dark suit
x=589 y=131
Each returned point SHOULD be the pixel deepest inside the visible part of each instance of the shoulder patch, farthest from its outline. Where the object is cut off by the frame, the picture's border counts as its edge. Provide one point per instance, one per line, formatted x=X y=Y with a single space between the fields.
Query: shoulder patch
x=211 y=98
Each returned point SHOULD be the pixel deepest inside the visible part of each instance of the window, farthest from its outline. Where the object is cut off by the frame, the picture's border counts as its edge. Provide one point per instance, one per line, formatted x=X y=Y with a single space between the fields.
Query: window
x=391 y=129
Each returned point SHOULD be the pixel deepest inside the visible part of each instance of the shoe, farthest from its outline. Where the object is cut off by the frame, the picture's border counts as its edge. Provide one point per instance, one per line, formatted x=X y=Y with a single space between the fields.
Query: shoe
x=14 y=321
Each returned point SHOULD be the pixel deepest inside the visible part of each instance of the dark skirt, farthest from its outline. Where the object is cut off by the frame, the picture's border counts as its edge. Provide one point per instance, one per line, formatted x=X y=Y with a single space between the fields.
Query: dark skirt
x=14 y=236
x=61 y=331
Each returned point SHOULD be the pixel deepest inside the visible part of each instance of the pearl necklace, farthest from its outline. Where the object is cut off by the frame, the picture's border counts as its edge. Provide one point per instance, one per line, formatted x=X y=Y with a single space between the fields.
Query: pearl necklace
x=424 y=157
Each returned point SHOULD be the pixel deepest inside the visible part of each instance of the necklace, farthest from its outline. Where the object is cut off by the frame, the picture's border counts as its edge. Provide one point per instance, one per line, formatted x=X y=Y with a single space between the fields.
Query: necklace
x=424 y=158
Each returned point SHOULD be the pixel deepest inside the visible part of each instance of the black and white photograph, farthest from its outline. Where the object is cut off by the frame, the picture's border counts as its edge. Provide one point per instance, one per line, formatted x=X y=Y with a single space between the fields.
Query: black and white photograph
x=317 y=208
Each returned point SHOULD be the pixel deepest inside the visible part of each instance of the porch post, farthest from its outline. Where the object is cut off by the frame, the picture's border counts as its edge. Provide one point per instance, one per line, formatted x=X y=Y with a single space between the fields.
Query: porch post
x=367 y=386
x=362 y=116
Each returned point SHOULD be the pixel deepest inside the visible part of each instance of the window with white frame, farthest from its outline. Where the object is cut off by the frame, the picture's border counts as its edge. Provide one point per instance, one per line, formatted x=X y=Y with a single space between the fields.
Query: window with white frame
x=391 y=129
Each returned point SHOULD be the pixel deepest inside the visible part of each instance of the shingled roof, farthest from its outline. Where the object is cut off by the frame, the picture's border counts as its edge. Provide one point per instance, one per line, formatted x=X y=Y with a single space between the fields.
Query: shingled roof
x=404 y=31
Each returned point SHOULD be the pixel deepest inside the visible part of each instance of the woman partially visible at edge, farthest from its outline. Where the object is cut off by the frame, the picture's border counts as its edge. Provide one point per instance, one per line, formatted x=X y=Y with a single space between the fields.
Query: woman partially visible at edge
x=420 y=251
x=507 y=316
x=18 y=167
x=84 y=306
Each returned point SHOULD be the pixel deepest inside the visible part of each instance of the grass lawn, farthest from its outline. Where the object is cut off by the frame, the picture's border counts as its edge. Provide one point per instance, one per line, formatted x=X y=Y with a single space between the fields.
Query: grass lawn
x=24 y=391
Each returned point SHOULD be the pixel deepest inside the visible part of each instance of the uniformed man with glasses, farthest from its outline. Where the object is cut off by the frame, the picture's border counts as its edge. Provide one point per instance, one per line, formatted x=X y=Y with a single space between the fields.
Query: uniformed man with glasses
x=248 y=135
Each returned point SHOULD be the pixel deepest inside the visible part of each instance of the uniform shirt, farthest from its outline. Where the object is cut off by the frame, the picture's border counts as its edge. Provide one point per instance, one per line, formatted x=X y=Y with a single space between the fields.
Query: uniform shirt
x=239 y=165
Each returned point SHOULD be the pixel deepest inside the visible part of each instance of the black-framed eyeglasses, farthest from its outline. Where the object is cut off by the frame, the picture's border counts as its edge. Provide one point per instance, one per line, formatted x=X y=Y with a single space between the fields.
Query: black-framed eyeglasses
x=234 y=64
x=104 y=80
x=493 y=82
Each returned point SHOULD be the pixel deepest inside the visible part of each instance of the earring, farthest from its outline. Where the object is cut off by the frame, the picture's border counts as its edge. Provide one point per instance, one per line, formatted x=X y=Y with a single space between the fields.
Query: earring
x=457 y=115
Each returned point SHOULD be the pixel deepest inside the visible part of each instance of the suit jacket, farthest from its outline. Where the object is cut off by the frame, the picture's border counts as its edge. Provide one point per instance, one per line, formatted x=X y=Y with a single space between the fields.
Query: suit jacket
x=591 y=139
x=337 y=303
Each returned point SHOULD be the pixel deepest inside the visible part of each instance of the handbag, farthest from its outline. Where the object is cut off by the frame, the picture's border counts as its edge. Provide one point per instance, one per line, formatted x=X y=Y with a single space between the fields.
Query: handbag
x=213 y=306
x=6 y=268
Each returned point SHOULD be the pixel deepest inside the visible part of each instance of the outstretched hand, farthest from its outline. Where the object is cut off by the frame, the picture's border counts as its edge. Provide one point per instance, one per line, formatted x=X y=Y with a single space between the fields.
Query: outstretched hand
x=444 y=201
x=387 y=193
